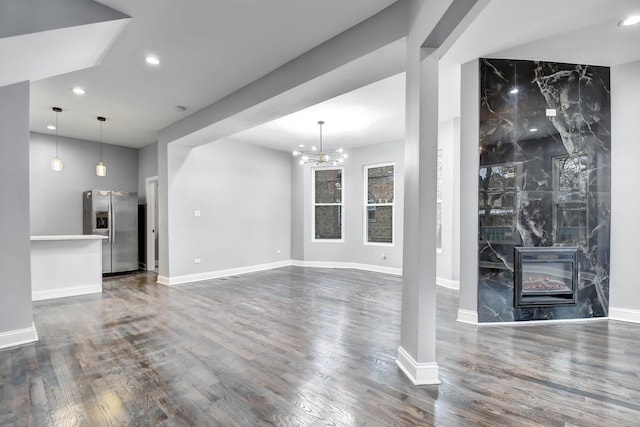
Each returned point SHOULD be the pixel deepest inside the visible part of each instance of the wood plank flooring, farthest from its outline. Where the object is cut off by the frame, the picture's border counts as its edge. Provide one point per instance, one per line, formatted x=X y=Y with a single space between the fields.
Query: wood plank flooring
x=304 y=347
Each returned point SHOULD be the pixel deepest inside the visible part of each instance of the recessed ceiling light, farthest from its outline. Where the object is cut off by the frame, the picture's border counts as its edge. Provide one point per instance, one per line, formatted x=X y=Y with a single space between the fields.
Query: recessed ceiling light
x=153 y=60
x=301 y=145
x=533 y=130
x=514 y=90
x=51 y=127
x=78 y=90
x=631 y=20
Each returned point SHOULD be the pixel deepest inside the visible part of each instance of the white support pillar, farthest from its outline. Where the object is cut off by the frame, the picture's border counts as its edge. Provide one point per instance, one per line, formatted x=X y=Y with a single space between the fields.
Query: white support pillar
x=163 y=211
x=469 y=161
x=417 y=351
x=16 y=322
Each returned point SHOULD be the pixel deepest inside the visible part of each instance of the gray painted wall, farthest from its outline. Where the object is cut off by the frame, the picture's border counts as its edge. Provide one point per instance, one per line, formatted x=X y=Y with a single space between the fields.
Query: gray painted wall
x=147 y=167
x=15 y=245
x=297 y=209
x=243 y=193
x=56 y=197
x=352 y=250
x=271 y=97
x=625 y=152
x=469 y=161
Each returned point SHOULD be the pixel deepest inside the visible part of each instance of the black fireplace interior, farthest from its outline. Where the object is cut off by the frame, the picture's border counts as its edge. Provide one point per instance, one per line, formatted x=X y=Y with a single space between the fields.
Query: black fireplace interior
x=545 y=276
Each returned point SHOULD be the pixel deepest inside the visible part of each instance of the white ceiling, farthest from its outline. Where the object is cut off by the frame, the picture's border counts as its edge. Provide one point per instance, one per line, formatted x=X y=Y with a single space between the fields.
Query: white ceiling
x=571 y=31
x=370 y=115
x=210 y=49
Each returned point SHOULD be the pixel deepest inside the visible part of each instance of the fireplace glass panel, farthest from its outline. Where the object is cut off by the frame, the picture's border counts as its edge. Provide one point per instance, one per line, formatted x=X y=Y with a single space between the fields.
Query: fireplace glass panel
x=546 y=277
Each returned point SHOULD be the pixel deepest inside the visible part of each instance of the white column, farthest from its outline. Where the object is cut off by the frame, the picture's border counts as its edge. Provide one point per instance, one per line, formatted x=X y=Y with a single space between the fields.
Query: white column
x=163 y=210
x=417 y=351
x=624 y=301
x=469 y=161
x=16 y=325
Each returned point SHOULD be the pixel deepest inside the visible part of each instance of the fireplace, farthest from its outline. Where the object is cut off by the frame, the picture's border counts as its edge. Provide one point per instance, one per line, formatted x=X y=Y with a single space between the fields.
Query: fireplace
x=545 y=276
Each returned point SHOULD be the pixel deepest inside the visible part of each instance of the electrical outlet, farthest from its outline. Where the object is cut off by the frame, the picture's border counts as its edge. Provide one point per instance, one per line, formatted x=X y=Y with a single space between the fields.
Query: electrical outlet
x=384 y=256
x=196 y=261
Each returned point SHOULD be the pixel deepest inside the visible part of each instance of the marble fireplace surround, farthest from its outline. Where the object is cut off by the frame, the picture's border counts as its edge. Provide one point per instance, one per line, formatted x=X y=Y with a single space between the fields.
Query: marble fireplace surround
x=544 y=181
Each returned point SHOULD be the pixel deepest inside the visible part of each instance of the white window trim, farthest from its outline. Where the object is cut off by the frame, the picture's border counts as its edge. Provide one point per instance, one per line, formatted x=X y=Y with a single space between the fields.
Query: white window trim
x=365 y=215
x=314 y=204
x=440 y=159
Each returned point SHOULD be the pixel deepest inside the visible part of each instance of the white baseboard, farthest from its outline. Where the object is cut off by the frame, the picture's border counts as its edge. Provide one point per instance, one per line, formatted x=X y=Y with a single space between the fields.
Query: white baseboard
x=447 y=283
x=66 y=292
x=471 y=317
x=189 y=278
x=357 y=266
x=18 y=337
x=467 y=316
x=624 y=314
x=418 y=373
x=542 y=322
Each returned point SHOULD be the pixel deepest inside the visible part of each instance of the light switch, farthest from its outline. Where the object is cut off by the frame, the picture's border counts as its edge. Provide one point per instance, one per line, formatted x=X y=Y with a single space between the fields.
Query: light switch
x=196 y=212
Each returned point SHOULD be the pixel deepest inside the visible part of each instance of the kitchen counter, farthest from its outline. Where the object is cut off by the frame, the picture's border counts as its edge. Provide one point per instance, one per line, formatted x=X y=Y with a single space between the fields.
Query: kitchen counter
x=64 y=266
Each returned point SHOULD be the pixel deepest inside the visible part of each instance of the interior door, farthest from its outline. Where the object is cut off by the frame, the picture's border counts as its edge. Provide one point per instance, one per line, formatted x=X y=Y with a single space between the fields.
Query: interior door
x=124 y=221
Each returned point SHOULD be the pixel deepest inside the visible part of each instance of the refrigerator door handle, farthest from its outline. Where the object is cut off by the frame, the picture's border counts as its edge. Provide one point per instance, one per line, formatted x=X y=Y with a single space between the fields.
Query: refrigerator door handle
x=113 y=224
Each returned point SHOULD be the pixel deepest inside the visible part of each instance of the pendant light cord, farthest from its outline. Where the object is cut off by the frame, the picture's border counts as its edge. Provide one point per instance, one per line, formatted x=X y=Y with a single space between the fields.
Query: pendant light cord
x=101 y=123
x=57 y=133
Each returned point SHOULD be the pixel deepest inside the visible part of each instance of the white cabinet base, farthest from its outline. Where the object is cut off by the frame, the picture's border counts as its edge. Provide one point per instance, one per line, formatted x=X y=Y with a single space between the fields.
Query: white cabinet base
x=64 y=266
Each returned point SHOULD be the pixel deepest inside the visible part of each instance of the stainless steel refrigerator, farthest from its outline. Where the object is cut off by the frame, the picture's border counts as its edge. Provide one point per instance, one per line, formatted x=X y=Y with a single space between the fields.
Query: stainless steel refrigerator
x=113 y=214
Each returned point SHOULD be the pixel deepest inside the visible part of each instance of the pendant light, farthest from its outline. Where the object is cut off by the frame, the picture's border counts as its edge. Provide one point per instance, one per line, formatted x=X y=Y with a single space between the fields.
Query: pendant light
x=56 y=162
x=101 y=169
x=321 y=157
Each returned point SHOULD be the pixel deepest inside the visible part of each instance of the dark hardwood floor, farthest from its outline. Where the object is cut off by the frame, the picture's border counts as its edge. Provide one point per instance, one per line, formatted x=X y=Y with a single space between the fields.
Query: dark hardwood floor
x=308 y=347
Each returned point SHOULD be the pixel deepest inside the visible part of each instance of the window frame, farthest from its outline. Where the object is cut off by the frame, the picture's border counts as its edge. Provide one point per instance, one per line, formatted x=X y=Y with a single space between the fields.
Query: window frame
x=439 y=182
x=314 y=239
x=365 y=216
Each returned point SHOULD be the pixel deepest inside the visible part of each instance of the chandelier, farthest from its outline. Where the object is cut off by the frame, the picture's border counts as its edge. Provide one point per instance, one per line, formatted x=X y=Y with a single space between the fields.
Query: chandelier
x=320 y=157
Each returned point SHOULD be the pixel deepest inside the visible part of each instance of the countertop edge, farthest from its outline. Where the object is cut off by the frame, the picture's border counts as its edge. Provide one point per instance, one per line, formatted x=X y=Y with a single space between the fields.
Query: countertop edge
x=69 y=237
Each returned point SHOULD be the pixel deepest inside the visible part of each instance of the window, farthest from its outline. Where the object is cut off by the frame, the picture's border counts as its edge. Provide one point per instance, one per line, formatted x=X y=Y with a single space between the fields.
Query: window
x=379 y=203
x=327 y=204
x=439 y=201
